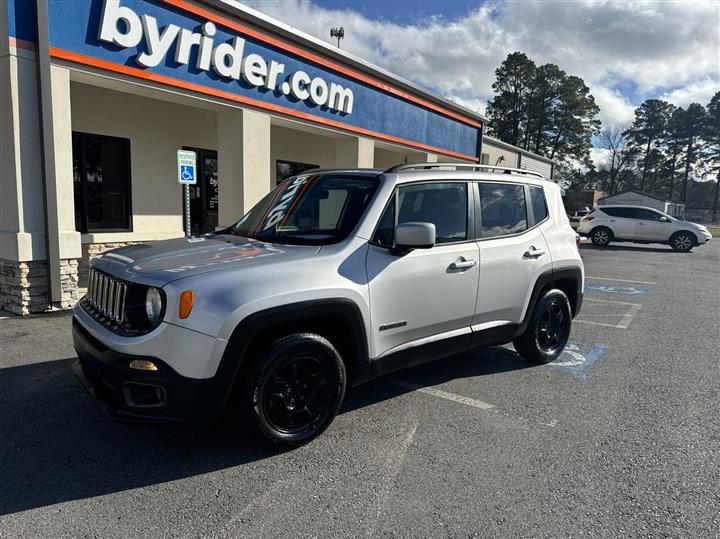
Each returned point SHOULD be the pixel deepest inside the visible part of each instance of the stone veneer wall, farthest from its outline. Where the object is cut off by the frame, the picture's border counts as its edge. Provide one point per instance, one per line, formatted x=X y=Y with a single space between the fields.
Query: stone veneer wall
x=24 y=285
x=90 y=250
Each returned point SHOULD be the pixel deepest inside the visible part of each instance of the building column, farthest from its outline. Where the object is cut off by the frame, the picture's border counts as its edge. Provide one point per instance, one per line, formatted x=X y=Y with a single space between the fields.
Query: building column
x=26 y=267
x=244 y=167
x=355 y=152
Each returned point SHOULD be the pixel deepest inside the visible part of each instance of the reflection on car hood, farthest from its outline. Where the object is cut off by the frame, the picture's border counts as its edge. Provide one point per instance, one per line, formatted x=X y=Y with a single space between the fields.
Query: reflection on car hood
x=158 y=263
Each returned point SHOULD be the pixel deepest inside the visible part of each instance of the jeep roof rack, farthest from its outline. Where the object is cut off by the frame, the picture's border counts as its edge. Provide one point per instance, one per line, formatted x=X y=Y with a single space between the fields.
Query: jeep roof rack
x=474 y=166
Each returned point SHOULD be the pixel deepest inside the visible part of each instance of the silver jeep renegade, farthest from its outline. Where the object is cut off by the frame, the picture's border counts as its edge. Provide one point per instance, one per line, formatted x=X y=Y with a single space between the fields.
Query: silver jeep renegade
x=334 y=278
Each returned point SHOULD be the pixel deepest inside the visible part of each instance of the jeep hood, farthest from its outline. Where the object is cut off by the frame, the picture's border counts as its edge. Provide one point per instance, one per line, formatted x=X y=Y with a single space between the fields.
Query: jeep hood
x=160 y=262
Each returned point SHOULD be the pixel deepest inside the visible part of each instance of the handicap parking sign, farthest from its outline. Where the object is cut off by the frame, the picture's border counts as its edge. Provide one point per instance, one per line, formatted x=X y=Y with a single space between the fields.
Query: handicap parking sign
x=186 y=167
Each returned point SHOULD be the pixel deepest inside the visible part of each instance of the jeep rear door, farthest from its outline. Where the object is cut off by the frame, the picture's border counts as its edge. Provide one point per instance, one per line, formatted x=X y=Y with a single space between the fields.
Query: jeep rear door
x=513 y=250
x=425 y=295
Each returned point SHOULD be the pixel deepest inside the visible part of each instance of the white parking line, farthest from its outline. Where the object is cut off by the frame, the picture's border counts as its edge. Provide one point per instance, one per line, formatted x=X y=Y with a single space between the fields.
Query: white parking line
x=624 y=321
x=618 y=280
x=461 y=399
x=442 y=394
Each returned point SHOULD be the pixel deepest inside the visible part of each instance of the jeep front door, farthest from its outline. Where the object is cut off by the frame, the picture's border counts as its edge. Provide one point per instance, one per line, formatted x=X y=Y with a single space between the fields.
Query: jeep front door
x=425 y=295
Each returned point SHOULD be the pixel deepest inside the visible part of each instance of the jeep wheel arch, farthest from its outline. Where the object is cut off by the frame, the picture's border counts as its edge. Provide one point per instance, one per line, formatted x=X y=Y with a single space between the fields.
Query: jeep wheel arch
x=339 y=320
x=569 y=280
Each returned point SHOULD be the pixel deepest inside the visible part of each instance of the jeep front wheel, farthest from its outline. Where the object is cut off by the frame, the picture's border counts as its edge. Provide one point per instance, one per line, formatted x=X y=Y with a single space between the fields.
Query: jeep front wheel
x=295 y=390
x=548 y=331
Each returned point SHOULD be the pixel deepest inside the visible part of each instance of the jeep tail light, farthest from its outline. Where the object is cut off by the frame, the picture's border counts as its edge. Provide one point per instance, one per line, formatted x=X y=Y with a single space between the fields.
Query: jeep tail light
x=577 y=241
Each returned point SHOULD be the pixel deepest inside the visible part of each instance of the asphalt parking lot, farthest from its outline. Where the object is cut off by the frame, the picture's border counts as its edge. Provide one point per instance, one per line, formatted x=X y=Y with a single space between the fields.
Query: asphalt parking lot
x=619 y=438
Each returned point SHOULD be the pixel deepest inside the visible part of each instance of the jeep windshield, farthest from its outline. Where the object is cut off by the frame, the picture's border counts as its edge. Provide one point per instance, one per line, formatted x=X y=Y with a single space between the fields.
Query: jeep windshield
x=311 y=209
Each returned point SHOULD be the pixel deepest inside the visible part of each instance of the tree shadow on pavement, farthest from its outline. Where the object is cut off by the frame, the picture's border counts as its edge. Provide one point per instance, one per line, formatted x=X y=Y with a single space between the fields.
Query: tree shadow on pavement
x=57 y=444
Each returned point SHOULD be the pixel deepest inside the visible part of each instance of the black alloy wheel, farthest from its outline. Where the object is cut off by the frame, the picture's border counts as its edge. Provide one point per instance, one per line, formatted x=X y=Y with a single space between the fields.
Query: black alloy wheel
x=553 y=327
x=299 y=394
x=548 y=329
x=296 y=388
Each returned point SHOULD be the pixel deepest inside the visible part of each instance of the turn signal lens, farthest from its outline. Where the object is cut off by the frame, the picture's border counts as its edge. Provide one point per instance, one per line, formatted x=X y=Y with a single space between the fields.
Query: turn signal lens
x=143 y=365
x=187 y=299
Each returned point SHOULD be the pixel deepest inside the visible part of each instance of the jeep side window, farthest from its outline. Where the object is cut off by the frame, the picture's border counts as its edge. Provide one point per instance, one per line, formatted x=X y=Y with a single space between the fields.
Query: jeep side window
x=503 y=210
x=539 y=206
x=442 y=204
x=385 y=233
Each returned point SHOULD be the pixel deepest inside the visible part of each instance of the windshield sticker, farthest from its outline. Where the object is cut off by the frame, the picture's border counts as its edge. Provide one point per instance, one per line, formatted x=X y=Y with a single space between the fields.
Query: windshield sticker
x=285 y=202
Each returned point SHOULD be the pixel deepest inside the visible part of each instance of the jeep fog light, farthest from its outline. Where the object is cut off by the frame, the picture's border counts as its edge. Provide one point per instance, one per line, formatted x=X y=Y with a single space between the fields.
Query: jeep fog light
x=143 y=365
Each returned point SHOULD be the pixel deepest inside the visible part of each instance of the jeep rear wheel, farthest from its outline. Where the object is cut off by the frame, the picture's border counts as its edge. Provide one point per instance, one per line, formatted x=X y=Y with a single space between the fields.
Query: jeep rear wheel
x=296 y=389
x=683 y=241
x=548 y=331
x=601 y=236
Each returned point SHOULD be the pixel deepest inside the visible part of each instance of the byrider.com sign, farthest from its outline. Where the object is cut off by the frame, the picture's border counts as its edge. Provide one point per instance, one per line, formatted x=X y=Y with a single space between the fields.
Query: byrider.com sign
x=187 y=46
x=123 y=27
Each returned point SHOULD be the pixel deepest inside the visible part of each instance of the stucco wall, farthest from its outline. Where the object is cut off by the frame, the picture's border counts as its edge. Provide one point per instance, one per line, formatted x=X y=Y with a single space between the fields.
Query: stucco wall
x=156 y=129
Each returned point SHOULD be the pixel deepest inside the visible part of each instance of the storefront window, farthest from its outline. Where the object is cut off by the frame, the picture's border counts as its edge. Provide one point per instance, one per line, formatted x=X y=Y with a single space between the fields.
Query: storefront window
x=101 y=177
x=285 y=169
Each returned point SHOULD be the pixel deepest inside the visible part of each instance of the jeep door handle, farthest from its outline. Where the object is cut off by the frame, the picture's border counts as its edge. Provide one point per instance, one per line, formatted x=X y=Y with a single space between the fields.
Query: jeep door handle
x=534 y=253
x=463 y=264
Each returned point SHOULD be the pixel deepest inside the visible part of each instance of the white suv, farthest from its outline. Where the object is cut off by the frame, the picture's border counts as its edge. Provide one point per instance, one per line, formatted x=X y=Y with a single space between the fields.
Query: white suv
x=335 y=277
x=641 y=225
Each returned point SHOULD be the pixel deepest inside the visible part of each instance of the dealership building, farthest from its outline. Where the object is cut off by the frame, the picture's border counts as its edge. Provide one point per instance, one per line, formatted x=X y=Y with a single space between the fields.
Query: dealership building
x=98 y=96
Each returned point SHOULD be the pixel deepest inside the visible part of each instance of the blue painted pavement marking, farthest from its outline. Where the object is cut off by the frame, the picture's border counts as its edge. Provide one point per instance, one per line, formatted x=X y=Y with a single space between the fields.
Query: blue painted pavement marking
x=578 y=357
x=615 y=289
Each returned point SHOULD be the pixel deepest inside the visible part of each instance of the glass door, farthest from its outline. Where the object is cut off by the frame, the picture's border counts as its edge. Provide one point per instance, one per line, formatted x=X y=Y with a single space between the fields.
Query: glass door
x=204 y=195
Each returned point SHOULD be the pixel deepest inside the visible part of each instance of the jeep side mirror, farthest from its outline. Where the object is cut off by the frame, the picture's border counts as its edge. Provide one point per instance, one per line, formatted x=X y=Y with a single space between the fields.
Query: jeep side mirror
x=410 y=236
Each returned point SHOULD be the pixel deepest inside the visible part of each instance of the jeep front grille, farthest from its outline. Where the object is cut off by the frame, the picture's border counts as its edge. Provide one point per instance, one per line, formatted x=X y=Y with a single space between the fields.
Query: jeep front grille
x=107 y=295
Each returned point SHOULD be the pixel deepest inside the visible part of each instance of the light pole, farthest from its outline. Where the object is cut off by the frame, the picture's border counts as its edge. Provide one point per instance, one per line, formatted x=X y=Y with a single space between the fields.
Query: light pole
x=338 y=33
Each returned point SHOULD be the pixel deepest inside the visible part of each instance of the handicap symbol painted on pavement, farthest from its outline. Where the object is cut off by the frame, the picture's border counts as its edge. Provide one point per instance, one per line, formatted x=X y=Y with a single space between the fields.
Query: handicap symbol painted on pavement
x=614 y=289
x=578 y=357
x=186 y=173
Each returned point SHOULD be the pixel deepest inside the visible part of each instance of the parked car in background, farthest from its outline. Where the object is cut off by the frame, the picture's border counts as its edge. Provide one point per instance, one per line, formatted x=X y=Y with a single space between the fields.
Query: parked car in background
x=641 y=225
x=576 y=216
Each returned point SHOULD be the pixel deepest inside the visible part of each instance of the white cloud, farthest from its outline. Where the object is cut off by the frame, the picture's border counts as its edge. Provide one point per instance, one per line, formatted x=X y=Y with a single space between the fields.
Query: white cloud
x=599 y=156
x=655 y=45
x=696 y=92
x=614 y=108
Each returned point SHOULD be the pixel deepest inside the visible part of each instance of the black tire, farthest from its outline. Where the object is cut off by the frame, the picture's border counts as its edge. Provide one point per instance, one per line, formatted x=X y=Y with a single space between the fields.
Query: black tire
x=683 y=241
x=601 y=236
x=294 y=391
x=548 y=331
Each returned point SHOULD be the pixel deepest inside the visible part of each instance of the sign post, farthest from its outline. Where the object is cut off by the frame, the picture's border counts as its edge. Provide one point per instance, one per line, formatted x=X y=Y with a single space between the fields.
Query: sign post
x=187 y=176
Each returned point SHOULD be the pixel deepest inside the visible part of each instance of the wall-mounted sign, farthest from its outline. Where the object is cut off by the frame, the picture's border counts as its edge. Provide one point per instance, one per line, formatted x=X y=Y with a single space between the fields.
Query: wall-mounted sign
x=192 y=47
x=125 y=28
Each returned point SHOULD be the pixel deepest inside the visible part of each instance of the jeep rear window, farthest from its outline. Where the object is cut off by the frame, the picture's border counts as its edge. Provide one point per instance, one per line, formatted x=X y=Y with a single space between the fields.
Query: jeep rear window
x=311 y=209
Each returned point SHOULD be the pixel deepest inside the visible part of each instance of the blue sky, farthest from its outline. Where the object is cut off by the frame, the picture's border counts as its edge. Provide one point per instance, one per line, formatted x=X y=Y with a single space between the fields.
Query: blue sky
x=404 y=11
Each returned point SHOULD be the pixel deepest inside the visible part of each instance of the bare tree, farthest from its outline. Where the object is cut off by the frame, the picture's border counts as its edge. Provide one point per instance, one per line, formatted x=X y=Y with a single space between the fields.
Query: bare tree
x=620 y=155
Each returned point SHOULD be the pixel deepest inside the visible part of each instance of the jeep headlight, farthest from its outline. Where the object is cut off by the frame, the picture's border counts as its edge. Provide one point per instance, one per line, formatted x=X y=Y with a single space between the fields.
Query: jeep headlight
x=153 y=304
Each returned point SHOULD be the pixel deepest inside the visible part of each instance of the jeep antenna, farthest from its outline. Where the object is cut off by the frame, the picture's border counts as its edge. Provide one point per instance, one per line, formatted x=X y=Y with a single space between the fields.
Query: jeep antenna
x=338 y=33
